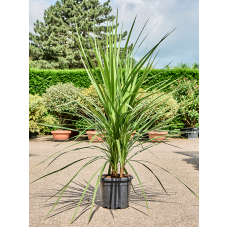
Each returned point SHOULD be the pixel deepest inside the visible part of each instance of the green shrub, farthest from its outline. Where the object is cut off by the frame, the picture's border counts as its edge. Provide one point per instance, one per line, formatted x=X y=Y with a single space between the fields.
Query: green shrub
x=81 y=124
x=160 y=98
x=91 y=93
x=168 y=111
x=175 y=124
x=187 y=96
x=61 y=100
x=38 y=114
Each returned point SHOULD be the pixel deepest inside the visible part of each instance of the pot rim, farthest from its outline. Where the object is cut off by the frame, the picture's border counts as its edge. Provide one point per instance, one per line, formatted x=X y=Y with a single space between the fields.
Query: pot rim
x=116 y=179
x=190 y=128
x=60 y=131
x=158 y=132
x=94 y=133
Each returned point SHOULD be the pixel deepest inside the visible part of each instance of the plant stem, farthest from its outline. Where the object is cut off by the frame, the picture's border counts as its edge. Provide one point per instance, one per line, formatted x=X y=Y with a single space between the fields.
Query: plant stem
x=121 y=171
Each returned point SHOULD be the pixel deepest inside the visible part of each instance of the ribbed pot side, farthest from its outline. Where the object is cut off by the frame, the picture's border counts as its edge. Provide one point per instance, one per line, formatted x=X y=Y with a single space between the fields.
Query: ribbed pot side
x=157 y=136
x=115 y=192
x=91 y=134
x=61 y=135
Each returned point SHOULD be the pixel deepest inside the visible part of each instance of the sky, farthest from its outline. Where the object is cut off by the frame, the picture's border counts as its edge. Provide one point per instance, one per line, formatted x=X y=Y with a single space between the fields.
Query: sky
x=181 y=46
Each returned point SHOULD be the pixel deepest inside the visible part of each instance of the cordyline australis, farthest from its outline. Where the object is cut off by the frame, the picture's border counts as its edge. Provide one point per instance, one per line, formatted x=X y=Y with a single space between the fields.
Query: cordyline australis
x=125 y=110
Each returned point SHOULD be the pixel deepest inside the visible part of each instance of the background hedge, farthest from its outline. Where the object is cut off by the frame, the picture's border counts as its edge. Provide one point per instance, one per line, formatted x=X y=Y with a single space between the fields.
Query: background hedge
x=162 y=75
x=40 y=79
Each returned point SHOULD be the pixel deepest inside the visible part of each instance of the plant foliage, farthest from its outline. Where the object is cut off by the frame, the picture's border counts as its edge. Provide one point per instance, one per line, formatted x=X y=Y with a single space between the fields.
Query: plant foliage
x=58 y=100
x=91 y=94
x=124 y=110
x=187 y=96
x=38 y=115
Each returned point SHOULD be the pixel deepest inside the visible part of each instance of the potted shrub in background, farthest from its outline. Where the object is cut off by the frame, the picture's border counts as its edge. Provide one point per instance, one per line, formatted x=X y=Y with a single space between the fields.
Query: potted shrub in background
x=164 y=108
x=38 y=115
x=60 y=100
x=84 y=128
x=91 y=93
x=118 y=91
x=187 y=96
x=94 y=136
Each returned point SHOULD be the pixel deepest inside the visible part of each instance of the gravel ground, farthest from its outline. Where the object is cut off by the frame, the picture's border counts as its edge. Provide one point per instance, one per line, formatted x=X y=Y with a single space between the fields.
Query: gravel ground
x=179 y=209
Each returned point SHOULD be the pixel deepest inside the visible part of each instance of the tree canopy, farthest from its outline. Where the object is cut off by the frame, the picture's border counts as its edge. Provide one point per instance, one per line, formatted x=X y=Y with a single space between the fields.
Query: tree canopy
x=53 y=45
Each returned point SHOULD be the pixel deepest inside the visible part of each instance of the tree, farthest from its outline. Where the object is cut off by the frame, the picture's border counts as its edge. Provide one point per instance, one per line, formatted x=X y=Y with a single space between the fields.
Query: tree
x=134 y=61
x=195 y=65
x=184 y=66
x=53 y=44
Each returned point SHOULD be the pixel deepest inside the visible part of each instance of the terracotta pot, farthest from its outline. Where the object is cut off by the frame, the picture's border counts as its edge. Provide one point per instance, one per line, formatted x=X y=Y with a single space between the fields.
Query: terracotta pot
x=132 y=134
x=61 y=134
x=91 y=135
x=157 y=135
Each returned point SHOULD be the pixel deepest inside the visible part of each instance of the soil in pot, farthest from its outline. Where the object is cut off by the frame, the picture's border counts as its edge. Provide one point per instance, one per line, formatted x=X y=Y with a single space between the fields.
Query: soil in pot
x=91 y=134
x=61 y=135
x=115 y=192
x=157 y=136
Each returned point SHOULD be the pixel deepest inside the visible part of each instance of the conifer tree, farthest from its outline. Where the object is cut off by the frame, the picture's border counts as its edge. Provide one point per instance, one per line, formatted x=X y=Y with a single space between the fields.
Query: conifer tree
x=53 y=44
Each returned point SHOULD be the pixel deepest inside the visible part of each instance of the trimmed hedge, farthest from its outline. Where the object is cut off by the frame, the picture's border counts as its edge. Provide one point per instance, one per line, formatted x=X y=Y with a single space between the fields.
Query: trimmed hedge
x=173 y=74
x=40 y=79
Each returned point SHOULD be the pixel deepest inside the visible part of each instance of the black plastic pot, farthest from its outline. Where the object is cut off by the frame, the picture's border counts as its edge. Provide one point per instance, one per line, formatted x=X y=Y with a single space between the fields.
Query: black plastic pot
x=33 y=134
x=190 y=133
x=115 y=192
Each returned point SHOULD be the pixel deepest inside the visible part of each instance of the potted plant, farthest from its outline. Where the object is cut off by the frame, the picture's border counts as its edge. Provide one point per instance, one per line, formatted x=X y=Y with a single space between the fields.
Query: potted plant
x=92 y=95
x=165 y=108
x=187 y=96
x=38 y=115
x=118 y=90
x=60 y=100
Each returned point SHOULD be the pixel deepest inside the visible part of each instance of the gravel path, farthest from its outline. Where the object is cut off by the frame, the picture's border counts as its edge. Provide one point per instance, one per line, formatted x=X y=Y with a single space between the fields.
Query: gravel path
x=180 y=209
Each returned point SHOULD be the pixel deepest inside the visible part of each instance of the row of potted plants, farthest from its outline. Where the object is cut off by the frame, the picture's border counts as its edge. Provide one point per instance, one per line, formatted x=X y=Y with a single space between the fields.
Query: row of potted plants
x=55 y=107
x=154 y=136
